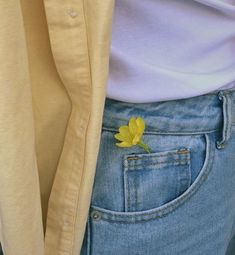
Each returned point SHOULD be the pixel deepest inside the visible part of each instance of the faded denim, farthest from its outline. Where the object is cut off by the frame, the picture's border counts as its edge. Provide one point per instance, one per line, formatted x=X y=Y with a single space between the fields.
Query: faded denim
x=180 y=198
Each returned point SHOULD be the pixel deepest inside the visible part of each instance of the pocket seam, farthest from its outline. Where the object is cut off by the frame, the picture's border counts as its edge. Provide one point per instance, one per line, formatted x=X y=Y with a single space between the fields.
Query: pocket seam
x=181 y=159
x=162 y=211
x=159 y=154
x=163 y=164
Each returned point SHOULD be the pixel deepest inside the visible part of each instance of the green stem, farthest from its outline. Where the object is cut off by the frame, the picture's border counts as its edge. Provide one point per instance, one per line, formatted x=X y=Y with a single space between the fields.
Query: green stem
x=144 y=146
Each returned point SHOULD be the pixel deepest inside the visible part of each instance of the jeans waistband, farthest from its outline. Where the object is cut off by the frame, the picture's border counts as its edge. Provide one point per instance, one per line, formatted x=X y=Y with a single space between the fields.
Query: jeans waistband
x=195 y=115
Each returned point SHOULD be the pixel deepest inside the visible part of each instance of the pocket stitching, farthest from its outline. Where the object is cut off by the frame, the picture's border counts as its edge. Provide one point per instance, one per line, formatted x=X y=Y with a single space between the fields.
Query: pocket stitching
x=181 y=159
x=158 y=154
x=164 y=163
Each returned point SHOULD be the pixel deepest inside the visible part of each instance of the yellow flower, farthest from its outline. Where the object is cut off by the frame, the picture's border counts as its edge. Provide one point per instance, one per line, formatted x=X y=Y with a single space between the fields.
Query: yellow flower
x=131 y=135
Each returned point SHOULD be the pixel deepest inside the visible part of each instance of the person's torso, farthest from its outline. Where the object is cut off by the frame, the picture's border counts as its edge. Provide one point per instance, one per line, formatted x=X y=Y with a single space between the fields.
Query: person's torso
x=164 y=50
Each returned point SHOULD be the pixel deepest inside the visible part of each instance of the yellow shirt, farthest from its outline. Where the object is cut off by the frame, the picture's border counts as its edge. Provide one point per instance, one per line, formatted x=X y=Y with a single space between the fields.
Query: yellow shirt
x=53 y=75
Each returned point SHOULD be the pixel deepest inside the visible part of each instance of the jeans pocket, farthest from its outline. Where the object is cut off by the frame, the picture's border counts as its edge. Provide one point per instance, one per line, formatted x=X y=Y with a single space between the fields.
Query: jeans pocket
x=131 y=182
x=153 y=179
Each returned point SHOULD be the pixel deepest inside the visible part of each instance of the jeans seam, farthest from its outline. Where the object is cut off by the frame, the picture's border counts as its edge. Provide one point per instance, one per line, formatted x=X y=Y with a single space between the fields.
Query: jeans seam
x=126 y=186
x=89 y=238
x=162 y=164
x=158 y=155
x=151 y=132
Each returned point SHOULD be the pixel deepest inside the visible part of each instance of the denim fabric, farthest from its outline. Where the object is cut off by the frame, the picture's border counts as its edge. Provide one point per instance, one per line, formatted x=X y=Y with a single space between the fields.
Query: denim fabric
x=180 y=198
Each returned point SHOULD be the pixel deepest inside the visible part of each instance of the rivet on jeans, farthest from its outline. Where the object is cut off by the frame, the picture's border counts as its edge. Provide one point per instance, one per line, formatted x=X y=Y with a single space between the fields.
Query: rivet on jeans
x=95 y=215
x=220 y=145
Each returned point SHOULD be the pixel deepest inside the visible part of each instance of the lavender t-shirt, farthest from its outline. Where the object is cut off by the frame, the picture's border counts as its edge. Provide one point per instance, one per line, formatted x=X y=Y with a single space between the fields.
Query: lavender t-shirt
x=171 y=49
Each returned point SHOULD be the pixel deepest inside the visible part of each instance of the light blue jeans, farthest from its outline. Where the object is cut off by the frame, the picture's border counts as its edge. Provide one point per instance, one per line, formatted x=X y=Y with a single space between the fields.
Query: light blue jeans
x=180 y=198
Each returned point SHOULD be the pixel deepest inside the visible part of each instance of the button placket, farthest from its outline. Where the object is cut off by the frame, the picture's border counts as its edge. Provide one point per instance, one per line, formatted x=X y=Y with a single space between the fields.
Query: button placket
x=72 y=13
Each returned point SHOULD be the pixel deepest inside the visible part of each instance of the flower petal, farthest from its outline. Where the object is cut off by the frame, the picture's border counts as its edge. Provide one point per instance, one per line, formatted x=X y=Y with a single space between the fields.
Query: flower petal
x=125 y=133
x=133 y=128
x=136 y=139
x=140 y=124
x=120 y=137
x=124 y=144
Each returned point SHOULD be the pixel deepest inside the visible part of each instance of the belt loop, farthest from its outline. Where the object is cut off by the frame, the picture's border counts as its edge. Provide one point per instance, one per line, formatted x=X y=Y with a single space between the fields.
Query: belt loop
x=225 y=97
